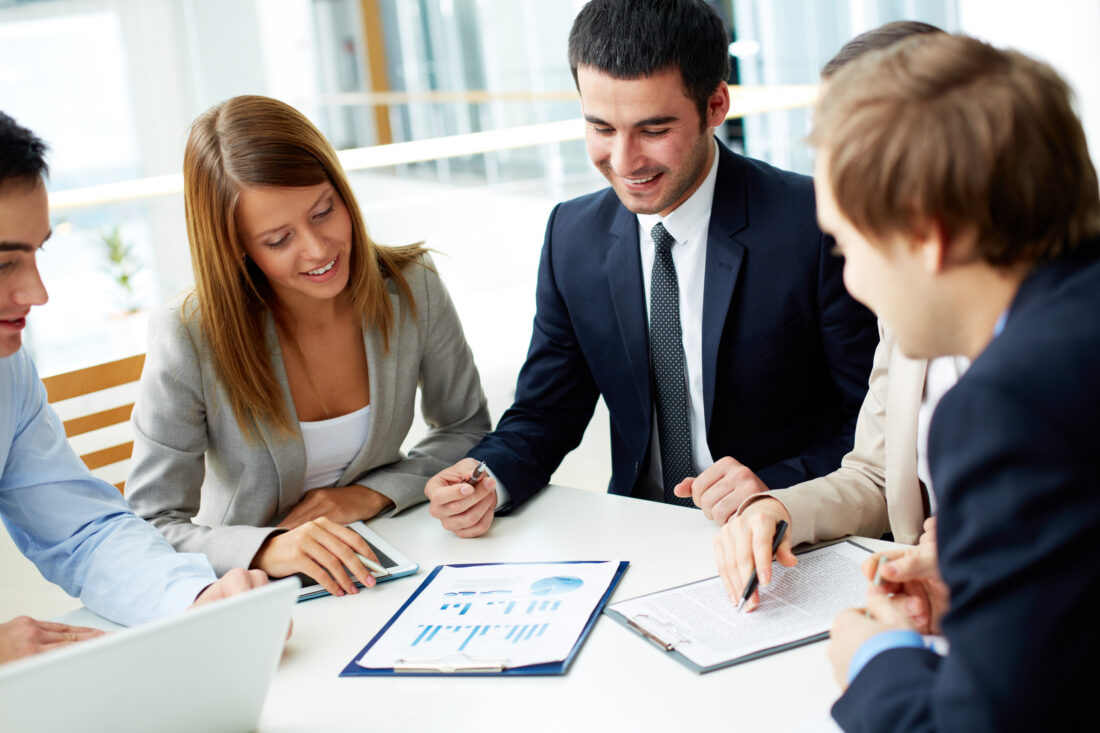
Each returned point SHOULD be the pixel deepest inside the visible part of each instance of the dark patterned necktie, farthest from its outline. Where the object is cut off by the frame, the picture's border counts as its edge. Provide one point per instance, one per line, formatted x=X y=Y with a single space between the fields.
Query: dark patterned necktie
x=667 y=370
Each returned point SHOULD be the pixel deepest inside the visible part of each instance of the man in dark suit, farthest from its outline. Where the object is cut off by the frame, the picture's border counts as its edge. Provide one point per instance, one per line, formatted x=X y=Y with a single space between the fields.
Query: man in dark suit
x=696 y=296
x=958 y=184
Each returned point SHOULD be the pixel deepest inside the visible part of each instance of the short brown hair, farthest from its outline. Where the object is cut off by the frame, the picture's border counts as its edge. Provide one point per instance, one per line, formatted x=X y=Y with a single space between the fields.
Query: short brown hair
x=258 y=141
x=949 y=128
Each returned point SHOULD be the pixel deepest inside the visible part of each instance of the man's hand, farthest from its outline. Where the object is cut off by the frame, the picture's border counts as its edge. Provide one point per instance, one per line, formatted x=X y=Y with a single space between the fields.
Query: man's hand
x=720 y=489
x=24 y=636
x=461 y=508
x=745 y=542
x=912 y=576
x=321 y=549
x=851 y=628
x=342 y=504
x=237 y=580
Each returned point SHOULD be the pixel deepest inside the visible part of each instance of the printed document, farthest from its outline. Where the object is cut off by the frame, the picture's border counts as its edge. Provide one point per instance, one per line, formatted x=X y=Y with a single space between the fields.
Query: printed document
x=515 y=614
x=700 y=622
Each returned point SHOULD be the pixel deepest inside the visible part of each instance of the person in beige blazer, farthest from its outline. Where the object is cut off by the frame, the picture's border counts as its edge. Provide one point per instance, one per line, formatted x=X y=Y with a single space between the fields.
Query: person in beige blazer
x=876 y=489
x=277 y=395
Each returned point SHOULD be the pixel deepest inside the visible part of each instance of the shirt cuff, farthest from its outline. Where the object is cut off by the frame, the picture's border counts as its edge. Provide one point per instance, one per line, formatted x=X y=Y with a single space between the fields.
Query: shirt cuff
x=753 y=498
x=879 y=643
x=503 y=497
x=182 y=594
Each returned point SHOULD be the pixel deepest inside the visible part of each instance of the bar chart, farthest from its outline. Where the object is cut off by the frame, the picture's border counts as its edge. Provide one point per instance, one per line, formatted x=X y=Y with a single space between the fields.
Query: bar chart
x=497 y=608
x=446 y=635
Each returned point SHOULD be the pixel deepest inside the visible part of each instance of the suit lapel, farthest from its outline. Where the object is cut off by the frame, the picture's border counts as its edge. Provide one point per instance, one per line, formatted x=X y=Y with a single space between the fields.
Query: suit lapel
x=288 y=454
x=382 y=372
x=724 y=255
x=903 y=398
x=624 y=275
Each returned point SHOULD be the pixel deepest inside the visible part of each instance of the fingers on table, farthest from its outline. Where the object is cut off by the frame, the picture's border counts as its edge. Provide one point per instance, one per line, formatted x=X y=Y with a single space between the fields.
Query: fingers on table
x=48 y=634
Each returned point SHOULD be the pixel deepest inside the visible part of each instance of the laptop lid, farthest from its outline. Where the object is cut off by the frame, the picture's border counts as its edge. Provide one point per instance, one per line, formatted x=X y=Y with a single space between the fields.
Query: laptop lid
x=204 y=670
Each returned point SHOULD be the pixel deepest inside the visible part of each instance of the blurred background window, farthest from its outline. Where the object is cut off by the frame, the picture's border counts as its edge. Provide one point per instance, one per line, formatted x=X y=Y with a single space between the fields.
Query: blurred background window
x=471 y=100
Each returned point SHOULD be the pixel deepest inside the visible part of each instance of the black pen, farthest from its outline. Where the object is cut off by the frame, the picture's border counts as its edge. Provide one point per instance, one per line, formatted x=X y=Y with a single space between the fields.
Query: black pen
x=780 y=530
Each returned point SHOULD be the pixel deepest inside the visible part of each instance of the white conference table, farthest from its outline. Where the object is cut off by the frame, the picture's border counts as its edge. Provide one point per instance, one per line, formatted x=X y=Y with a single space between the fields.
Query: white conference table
x=618 y=681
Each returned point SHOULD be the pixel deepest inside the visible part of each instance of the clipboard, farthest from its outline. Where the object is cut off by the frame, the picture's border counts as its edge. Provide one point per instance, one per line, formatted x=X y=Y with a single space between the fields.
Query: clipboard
x=668 y=638
x=459 y=664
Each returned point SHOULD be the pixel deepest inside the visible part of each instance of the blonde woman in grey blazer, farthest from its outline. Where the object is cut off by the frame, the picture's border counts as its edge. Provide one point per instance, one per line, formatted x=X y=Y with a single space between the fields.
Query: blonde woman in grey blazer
x=298 y=320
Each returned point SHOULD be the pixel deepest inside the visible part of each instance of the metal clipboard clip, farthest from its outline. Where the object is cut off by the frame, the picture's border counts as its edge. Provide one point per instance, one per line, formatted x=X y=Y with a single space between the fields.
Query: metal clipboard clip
x=451 y=663
x=658 y=638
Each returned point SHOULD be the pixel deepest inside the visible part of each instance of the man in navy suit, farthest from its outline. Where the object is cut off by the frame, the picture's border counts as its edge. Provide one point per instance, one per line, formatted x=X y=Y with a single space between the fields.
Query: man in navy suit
x=958 y=184
x=696 y=296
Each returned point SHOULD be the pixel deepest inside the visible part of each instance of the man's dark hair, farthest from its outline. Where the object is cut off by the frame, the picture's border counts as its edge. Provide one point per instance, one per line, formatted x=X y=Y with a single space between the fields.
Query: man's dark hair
x=876 y=39
x=22 y=154
x=630 y=39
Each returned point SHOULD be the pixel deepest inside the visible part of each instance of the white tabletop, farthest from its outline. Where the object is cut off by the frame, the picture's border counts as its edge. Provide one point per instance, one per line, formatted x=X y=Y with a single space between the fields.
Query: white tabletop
x=618 y=681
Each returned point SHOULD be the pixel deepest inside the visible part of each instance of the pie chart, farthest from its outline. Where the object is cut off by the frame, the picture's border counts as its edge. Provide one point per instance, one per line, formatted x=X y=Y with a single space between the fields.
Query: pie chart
x=556 y=585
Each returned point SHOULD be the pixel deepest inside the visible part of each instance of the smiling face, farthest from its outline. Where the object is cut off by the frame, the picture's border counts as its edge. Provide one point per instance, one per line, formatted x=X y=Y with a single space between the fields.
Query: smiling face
x=24 y=226
x=300 y=238
x=645 y=136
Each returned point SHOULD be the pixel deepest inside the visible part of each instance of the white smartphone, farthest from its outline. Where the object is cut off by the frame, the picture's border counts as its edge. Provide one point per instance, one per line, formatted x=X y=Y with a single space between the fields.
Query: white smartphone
x=392 y=559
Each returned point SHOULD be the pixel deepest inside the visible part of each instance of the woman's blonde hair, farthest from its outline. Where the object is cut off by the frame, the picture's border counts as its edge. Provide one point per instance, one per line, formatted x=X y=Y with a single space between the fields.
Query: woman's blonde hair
x=258 y=141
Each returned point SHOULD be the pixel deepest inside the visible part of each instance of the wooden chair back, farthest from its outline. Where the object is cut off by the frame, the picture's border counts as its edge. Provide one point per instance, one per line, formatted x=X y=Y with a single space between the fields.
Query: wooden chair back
x=87 y=402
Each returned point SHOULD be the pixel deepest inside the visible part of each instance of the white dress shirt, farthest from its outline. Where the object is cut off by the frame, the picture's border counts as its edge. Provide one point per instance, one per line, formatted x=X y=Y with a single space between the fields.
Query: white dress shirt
x=941 y=376
x=688 y=224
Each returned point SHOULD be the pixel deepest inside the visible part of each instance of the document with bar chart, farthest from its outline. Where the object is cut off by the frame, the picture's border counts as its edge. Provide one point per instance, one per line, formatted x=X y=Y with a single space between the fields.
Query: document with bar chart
x=491 y=618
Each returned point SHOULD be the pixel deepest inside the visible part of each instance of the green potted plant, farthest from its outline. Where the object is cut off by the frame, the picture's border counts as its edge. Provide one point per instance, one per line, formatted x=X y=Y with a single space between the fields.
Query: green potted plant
x=122 y=266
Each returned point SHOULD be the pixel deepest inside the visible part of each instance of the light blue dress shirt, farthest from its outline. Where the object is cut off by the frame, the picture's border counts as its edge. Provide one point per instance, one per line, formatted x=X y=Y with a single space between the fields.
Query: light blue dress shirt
x=76 y=529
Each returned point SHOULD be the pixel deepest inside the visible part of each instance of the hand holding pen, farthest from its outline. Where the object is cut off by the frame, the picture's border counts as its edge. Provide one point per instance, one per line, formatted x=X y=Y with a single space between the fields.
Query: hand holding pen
x=750 y=587
x=463 y=498
x=478 y=474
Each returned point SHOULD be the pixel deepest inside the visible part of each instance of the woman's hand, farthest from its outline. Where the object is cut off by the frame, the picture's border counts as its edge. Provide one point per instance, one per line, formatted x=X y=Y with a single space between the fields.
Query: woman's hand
x=321 y=549
x=745 y=543
x=342 y=504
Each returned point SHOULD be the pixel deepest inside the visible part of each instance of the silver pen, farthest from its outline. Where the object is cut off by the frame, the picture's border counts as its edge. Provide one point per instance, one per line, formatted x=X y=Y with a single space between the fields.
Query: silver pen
x=478 y=474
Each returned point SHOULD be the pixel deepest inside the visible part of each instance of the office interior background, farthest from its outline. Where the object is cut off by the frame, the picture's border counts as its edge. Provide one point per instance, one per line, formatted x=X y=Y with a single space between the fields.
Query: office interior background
x=460 y=122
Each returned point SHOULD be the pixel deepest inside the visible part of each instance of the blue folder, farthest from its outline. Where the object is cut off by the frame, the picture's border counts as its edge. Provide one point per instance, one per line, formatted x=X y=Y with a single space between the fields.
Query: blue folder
x=354 y=670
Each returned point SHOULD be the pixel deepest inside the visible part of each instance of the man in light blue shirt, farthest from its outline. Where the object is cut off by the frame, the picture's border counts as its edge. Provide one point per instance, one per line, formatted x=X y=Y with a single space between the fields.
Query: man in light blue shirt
x=77 y=530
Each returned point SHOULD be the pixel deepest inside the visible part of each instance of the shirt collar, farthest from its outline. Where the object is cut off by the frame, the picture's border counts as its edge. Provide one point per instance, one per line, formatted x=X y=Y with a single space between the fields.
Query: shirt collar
x=684 y=221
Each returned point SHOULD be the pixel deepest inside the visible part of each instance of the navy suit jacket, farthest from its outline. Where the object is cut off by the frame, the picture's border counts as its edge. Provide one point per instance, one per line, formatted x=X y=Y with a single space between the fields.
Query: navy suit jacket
x=786 y=351
x=1013 y=453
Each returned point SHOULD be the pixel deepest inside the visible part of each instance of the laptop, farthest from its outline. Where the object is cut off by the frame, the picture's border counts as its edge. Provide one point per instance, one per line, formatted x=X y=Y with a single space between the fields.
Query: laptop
x=207 y=669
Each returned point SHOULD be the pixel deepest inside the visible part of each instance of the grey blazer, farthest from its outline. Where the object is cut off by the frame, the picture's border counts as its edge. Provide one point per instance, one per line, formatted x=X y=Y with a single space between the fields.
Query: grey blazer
x=208 y=489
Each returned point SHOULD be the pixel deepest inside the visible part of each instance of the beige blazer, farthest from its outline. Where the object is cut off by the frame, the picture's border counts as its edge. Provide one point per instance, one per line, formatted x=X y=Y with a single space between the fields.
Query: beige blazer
x=208 y=489
x=876 y=487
